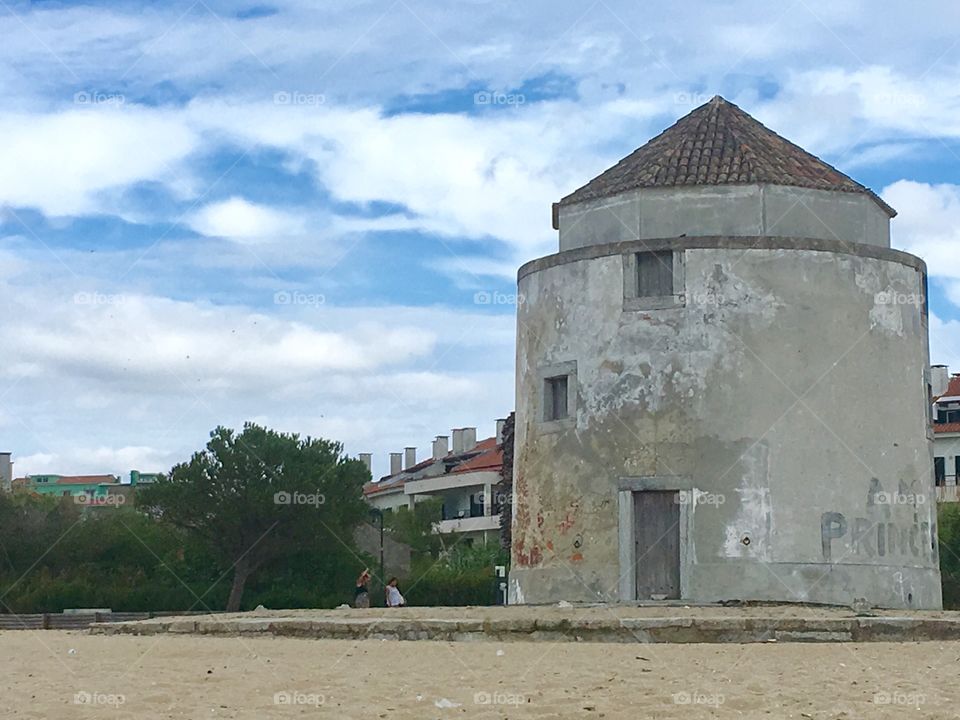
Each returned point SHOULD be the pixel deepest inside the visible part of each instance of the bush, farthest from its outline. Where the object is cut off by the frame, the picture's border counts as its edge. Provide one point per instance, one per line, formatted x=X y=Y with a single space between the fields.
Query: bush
x=948 y=529
x=463 y=576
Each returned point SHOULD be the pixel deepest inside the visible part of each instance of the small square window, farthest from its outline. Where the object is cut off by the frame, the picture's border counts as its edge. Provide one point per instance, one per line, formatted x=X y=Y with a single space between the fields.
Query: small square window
x=555 y=398
x=655 y=273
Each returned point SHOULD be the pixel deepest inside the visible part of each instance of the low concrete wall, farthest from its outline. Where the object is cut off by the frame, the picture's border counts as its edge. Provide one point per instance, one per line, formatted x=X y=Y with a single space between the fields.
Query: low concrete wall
x=612 y=625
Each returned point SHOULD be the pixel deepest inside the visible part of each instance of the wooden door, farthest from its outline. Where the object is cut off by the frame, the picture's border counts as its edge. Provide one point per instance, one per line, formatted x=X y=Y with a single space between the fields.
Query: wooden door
x=657 y=534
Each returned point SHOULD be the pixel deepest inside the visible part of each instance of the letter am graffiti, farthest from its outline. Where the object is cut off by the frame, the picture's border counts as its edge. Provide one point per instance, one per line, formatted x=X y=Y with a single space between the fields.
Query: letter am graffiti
x=880 y=535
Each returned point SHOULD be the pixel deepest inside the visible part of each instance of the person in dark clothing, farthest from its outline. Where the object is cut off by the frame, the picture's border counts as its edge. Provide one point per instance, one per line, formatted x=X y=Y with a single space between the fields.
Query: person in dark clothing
x=361 y=594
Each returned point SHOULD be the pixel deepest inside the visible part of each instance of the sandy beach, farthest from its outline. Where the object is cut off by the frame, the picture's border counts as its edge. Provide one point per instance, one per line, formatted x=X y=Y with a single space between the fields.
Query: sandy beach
x=55 y=674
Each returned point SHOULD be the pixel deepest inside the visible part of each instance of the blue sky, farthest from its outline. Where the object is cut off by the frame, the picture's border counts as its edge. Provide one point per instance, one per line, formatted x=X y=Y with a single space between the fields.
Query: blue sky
x=213 y=212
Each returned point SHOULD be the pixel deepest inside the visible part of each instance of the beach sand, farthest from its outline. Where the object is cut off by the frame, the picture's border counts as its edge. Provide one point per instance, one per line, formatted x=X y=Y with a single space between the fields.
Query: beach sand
x=57 y=674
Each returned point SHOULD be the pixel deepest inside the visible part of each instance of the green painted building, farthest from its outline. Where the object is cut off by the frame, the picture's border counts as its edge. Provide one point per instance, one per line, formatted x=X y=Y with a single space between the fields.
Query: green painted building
x=91 y=486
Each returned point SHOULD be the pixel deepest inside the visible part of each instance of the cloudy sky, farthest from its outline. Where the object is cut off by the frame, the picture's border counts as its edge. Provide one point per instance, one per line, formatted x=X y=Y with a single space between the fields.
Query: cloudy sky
x=219 y=211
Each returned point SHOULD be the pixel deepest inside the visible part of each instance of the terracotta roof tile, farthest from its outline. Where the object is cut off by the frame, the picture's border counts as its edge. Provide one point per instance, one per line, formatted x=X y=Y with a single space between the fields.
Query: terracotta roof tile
x=84 y=479
x=953 y=388
x=488 y=460
x=946 y=427
x=719 y=144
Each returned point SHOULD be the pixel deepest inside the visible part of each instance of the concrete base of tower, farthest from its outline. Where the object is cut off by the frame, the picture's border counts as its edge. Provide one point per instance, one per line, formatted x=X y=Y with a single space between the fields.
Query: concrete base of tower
x=894 y=587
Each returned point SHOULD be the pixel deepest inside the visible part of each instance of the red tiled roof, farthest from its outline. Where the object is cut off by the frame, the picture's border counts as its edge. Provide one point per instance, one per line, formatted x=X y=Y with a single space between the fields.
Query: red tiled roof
x=486 y=456
x=953 y=388
x=84 y=479
x=946 y=427
x=372 y=488
x=719 y=144
x=488 y=460
x=413 y=468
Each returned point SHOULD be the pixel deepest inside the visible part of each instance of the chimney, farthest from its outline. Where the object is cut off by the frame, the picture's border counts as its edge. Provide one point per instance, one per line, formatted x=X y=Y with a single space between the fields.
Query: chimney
x=396 y=461
x=440 y=446
x=939 y=379
x=367 y=460
x=469 y=439
x=6 y=472
x=500 y=424
x=409 y=457
x=457 y=441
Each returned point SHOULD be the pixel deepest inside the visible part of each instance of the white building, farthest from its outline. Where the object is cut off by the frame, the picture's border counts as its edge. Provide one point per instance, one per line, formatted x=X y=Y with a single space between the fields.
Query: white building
x=464 y=478
x=946 y=432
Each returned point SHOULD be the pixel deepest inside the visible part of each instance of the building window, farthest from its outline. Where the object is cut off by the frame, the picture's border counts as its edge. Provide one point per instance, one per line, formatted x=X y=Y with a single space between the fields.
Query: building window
x=939 y=471
x=555 y=398
x=948 y=415
x=557 y=405
x=655 y=274
x=653 y=280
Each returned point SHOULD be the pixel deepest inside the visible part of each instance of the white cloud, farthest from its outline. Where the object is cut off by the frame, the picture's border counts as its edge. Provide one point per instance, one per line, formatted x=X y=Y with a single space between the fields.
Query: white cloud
x=101 y=460
x=929 y=226
x=60 y=163
x=244 y=221
x=945 y=342
x=95 y=380
x=836 y=110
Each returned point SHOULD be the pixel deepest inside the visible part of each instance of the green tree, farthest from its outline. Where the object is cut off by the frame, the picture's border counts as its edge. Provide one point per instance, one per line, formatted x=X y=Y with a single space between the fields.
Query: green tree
x=256 y=497
x=415 y=527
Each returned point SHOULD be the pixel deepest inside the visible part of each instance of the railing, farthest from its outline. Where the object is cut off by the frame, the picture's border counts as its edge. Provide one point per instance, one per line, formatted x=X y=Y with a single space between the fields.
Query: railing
x=948 y=493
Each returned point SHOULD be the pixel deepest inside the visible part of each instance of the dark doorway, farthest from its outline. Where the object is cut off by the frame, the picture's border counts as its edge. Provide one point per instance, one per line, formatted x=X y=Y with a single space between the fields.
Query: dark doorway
x=656 y=516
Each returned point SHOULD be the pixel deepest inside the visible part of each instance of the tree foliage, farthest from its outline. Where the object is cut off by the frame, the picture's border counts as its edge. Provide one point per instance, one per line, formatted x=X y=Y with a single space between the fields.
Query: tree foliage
x=258 y=497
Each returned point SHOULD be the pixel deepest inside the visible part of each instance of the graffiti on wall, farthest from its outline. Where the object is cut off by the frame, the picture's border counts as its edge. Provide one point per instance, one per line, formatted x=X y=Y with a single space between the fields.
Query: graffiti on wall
x=893 y=524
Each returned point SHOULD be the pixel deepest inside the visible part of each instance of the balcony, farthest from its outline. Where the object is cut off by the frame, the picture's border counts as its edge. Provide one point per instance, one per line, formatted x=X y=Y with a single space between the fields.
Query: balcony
x=467 y=524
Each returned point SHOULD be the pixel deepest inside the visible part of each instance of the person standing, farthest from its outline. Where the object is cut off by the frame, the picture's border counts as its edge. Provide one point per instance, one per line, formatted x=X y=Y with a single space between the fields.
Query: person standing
x=361 y=594
x=394 y=598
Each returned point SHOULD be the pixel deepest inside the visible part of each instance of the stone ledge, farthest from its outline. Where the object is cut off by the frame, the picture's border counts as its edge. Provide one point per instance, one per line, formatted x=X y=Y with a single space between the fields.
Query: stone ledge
x=578 y=624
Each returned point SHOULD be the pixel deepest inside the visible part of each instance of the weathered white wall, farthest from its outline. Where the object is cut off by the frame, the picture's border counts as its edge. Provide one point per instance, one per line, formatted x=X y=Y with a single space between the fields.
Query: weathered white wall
x=786 y=387
x=737 y=210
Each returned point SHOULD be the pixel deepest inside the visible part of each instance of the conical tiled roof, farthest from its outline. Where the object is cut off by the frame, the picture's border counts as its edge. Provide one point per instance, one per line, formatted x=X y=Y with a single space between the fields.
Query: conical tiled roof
x=719 y=144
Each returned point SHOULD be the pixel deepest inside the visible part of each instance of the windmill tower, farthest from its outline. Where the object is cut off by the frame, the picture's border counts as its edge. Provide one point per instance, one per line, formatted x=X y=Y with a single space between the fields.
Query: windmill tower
x=722 y=386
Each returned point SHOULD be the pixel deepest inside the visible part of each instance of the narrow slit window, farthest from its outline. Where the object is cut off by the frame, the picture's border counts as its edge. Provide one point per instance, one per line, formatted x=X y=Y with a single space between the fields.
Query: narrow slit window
x=555 y=396
x=655 y=273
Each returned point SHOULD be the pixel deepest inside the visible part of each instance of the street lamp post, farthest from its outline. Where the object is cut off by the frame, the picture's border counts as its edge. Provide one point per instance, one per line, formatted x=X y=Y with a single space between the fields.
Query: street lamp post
x=378 y=514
